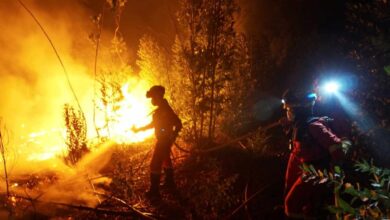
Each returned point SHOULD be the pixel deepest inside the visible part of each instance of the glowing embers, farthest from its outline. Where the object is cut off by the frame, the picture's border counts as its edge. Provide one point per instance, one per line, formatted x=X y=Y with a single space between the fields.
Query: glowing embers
x=132 y=110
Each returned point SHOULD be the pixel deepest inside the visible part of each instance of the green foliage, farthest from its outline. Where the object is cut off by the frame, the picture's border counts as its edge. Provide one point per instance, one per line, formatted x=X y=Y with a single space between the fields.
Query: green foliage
x=387 y=69
x=354 y=199
x=76 y=135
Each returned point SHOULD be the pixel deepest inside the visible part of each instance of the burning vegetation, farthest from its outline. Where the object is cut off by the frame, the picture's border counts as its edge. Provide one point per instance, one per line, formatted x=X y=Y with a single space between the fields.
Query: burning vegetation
x=73 y=95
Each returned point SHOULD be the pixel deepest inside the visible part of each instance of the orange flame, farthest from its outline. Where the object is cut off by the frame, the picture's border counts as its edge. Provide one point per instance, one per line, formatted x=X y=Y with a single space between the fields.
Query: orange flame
x=134 y=110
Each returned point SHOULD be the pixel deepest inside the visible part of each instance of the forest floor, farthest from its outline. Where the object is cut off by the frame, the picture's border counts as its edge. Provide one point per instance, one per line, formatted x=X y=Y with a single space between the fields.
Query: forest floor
x=233 y=183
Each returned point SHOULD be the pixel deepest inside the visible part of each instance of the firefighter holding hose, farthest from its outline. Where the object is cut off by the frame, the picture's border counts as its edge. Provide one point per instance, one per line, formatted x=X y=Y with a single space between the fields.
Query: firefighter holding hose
x=313 y=142
x=167 y=126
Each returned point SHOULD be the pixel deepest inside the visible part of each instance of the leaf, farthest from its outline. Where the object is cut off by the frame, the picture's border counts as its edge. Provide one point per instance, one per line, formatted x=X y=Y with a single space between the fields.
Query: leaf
x=352 y=191
x=313 y=170
x=383 y=196
x=374 y=195
x=345 y=206
x=387 y=69
x=363 y=166
x=305 y=168
x=354 y=200
x=334 y=210
x=337 y=169
x=323 y=180
x=320 y=174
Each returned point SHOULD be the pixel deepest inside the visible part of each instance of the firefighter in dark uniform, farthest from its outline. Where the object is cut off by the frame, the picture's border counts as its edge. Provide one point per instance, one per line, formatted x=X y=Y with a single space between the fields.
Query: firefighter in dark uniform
x=167 y=126
x=312 y=142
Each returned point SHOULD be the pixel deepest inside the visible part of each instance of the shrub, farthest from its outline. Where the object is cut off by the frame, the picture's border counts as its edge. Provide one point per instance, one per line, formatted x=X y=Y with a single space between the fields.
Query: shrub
x=76 y=135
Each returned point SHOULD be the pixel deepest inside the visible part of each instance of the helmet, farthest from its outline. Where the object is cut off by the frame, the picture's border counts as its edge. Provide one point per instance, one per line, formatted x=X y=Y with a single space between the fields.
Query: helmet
x=155 y=91
x=298 y=98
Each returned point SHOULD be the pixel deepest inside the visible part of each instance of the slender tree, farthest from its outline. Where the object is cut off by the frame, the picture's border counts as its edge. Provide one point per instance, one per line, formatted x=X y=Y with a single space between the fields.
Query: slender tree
x=4 y=142
x=208 y=55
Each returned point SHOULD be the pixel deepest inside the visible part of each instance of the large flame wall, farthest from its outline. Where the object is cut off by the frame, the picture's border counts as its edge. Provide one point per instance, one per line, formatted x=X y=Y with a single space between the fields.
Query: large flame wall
x=33 y=85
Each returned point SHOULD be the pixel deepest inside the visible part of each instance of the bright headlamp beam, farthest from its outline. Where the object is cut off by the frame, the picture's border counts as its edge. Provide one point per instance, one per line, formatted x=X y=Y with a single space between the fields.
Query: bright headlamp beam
x=331 y=87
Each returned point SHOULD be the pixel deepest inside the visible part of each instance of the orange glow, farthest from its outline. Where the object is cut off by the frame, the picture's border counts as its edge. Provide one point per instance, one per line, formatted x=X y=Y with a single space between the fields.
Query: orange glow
x=134 y=110
x=34 y=90
x=34 y=87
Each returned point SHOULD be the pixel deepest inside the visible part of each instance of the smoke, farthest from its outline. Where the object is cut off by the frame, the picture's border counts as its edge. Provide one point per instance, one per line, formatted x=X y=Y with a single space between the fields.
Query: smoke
x=33 y=84
x=63 y=184
x=265 y=108
x=34 y=90
x=34 y=87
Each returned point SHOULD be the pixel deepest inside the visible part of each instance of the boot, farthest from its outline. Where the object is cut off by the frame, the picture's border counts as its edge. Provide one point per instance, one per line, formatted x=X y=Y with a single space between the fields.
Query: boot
x=169 y=182
x=154 y=192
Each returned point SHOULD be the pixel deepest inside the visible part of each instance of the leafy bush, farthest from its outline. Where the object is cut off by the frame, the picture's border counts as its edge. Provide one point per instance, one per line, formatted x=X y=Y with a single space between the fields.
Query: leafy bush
x=76 y=135
x=356 y=199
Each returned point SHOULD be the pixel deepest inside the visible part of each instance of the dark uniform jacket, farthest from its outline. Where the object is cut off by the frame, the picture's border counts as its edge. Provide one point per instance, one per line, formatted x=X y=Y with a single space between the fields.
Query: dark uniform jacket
x=166 y=123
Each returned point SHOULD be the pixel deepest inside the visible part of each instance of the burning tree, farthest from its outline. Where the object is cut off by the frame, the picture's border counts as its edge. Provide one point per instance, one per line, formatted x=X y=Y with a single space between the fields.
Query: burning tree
x=210 y=76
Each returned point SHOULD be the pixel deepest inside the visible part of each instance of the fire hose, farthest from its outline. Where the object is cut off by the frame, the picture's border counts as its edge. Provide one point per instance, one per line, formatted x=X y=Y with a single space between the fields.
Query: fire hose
x=235 y=140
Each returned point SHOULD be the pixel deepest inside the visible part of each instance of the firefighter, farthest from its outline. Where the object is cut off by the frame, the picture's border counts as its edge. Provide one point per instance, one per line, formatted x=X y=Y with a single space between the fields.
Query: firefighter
x=312 y=142
x=167 y=126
